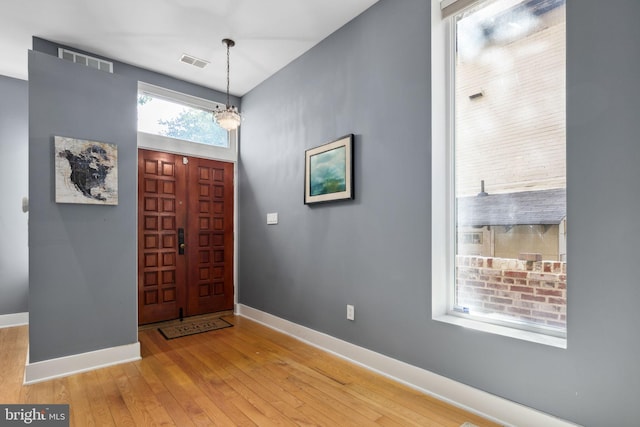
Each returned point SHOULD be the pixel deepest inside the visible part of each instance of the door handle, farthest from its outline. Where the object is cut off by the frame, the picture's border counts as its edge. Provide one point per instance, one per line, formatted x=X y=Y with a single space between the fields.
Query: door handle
x=181 y=244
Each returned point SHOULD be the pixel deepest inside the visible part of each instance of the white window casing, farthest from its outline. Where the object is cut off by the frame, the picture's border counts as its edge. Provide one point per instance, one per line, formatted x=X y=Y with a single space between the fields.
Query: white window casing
x=442 y=183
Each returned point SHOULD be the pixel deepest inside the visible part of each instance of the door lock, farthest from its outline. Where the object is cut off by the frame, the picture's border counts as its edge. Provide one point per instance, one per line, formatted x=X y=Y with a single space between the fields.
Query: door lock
x=181 y=244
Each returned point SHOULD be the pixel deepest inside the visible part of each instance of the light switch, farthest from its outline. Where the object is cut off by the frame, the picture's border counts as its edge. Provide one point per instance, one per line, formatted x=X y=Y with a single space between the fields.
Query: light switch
x=272 y=218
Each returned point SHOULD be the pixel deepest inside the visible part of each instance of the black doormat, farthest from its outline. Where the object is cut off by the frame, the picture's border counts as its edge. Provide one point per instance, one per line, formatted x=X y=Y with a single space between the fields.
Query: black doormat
x=192 y=327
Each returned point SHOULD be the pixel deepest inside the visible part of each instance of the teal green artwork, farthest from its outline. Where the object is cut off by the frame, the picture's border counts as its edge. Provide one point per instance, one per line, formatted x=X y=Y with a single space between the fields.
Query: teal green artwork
x=328 y=172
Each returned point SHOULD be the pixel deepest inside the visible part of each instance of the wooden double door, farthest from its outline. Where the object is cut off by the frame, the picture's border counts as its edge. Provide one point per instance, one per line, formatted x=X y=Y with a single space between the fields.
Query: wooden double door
x=185 y=236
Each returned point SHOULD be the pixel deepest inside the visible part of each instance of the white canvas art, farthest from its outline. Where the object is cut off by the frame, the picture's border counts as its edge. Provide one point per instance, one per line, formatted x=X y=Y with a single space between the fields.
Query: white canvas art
x=86 y=171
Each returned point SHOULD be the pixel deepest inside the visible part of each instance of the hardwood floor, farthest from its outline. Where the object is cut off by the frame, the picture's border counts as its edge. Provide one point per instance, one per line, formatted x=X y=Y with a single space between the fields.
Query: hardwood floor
x=247 y=375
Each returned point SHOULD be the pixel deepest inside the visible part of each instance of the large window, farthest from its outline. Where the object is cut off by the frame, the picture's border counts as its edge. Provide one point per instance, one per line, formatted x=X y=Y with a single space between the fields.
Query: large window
x=503 y=175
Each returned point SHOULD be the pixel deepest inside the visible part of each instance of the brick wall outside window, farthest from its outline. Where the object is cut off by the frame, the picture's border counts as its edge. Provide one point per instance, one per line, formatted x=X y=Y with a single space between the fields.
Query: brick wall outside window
x=532 y=291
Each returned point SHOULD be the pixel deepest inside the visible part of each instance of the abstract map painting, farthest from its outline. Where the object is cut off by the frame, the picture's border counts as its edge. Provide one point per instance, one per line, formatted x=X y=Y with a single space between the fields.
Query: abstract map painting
x=86 y=171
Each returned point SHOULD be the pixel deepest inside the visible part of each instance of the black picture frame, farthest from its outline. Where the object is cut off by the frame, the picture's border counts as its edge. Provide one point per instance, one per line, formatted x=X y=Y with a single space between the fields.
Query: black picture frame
x=329 y=171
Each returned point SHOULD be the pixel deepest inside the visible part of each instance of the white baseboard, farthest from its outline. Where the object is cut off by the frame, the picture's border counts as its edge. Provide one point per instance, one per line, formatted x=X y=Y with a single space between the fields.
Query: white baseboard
x=14 y=319
x=492 y=407
x=77 y=363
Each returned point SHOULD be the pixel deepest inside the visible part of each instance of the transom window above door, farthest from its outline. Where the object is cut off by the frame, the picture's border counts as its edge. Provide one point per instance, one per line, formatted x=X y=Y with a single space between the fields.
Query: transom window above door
x=181 y=123
x=165 y=117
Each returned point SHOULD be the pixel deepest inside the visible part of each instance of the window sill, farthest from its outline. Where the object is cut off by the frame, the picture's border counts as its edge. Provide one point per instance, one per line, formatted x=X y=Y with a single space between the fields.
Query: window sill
x=530 y=336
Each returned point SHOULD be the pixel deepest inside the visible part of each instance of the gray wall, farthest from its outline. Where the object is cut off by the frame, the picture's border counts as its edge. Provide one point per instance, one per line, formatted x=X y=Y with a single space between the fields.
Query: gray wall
x=82 y=263
x=371 y=78
x=14 y=253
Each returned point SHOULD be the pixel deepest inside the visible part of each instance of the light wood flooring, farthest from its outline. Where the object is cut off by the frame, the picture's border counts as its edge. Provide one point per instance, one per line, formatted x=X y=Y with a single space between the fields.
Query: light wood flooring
x=247 y=375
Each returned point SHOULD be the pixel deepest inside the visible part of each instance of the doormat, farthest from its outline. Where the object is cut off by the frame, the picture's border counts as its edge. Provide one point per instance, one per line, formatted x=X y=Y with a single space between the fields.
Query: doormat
x=193 y=327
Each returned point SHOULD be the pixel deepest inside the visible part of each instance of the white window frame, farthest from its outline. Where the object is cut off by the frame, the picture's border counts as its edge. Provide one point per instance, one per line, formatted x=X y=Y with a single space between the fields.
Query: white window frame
x=442 y=191
x=180 y=146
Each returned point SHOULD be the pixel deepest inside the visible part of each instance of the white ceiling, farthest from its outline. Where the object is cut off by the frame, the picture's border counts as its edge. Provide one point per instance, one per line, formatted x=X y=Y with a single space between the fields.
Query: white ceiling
x=154 y=34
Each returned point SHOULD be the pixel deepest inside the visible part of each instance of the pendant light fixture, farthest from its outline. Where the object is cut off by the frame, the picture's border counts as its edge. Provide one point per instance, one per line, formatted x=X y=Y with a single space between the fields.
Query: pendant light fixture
x=227 y=118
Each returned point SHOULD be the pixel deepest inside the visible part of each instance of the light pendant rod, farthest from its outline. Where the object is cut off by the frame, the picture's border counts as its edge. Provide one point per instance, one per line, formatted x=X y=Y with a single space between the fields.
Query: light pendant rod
x=230 y=43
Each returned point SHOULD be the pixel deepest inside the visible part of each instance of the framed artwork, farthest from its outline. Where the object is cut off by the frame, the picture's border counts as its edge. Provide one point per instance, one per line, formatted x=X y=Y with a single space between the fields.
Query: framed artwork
x=329 y=171
x=86 y=172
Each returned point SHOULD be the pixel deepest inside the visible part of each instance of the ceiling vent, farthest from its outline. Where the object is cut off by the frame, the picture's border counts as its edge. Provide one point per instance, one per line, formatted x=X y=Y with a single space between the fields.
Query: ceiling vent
x=192 y=60
x=89 y=61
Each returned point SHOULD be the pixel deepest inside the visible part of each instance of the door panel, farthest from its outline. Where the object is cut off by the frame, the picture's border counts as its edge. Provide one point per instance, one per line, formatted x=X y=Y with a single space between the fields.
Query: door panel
x=196 y=198
x=160 y=199
x=210 y=242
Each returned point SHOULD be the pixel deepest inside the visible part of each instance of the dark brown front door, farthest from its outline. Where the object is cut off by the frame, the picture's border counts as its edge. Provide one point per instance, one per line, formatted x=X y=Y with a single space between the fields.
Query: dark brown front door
x=185 y=236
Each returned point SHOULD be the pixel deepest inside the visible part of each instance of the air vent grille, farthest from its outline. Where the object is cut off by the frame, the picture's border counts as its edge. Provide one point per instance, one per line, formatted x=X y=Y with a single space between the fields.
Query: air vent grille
x=89 y=61
x=192 y=60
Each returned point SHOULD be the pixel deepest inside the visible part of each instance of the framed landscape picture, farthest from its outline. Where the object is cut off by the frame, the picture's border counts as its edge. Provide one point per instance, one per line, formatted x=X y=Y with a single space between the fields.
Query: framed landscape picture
x=86 y=172
x=329 y=171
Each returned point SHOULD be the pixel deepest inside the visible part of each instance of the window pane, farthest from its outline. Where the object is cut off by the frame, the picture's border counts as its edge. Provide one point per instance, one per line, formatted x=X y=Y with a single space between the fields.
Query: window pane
x=510 y=174
x=161 y=117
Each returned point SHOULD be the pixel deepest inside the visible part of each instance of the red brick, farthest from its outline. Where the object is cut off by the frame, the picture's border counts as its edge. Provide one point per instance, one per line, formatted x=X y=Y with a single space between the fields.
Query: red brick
x=557 y=301
x=501 y=300
x=544 y=276
x=517 y=310
x=553 y=308
x=521 y=289
x=532 y=298
x=490 y=272
x=474 y=283
x=507 y=294
x=516 y=274
x=468 y=271
x=548 y=292
x=494 y=307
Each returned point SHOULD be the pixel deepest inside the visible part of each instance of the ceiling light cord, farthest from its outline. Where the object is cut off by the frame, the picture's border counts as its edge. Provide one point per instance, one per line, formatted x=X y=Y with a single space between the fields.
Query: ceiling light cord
x=228 y=73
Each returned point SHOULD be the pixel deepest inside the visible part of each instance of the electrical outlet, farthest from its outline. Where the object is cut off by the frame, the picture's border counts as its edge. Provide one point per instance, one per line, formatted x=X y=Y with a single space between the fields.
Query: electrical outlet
x=351 y=312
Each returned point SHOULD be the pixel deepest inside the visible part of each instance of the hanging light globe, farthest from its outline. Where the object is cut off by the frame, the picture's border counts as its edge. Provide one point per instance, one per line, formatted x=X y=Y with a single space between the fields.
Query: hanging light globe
x=227 y=118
